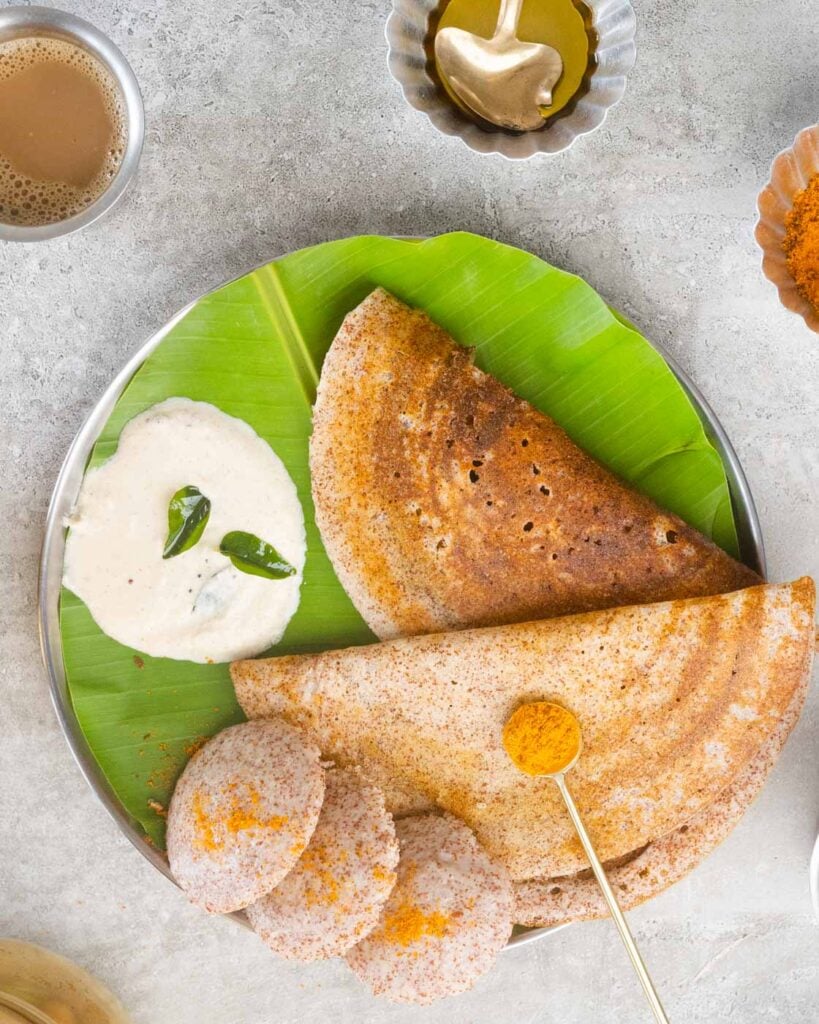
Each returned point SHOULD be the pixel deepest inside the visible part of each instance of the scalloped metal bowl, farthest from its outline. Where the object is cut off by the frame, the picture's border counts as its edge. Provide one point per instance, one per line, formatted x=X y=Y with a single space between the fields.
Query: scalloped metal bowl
x=791 y=171
x=407 y=30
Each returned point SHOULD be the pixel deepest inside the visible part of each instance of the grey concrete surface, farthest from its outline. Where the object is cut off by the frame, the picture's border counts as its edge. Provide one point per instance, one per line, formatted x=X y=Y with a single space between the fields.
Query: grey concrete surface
x=272 y=125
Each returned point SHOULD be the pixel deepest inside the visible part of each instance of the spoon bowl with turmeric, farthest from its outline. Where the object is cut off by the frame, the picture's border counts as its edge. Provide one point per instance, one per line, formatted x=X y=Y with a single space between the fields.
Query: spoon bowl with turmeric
x=545 y=740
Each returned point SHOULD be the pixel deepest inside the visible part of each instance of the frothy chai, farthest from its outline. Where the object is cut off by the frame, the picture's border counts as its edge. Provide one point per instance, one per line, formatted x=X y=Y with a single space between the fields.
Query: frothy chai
x=62 y=130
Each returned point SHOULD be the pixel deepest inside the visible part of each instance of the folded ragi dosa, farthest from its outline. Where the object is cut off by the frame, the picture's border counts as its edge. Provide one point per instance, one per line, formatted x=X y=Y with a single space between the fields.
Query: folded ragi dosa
x=444 y=501
x=678 y=702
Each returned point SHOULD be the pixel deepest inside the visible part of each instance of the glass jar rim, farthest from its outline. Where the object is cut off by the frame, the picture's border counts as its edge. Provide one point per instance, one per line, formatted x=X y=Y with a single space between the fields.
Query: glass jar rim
x=23 y=1010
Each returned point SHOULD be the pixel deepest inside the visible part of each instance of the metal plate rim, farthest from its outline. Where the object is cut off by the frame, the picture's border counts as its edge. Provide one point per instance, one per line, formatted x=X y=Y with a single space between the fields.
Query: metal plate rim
x=64 y=495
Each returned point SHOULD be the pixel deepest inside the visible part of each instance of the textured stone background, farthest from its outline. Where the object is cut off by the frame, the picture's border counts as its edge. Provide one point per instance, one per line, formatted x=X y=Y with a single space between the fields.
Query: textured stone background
x=273 y=125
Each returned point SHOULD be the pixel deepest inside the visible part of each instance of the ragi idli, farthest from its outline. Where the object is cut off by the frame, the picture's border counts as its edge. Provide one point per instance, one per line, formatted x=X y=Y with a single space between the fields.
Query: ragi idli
x=446 y=920
x=333 y=896
x=242 y=813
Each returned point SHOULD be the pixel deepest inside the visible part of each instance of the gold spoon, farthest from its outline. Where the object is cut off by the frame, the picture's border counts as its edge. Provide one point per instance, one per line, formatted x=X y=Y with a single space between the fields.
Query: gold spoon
x=503 y=80
x=523 y=742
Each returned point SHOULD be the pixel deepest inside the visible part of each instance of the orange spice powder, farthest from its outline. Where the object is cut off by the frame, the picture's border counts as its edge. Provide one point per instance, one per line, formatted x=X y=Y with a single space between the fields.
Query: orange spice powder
x=801 y=243
x=205 y=835
x=195 y=745
x=383 y=875
x=408 y=923
x=324 y=887
x=239 y=819
x=542 y=738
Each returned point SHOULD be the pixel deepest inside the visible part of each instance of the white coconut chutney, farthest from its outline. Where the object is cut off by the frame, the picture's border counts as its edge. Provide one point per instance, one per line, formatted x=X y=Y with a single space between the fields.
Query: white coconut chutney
x=195 y=606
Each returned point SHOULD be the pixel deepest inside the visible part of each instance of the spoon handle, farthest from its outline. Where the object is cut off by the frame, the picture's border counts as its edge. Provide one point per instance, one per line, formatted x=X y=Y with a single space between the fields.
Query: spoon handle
x=614 y=906
x=508 y=18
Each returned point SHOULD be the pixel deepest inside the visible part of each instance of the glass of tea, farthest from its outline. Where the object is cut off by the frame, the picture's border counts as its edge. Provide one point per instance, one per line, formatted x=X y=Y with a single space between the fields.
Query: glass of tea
x=71 y=123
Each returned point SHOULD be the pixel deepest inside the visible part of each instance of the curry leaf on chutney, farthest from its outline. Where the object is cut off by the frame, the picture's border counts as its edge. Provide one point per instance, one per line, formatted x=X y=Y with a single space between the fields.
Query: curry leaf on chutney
x=188 y=514
x=255 y=556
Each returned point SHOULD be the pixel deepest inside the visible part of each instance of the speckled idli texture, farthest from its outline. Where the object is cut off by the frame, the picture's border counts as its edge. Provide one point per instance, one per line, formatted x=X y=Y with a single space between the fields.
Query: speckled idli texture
x=242 y=813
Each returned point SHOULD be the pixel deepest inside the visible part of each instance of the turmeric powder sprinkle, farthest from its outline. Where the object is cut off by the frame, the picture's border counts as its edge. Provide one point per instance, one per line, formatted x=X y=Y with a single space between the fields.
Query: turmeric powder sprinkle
x=542 y=738
x=408 y=923
x=801 y=243
x=205 y=835
x=212 y=831
x=381 y=874
x=322 y=889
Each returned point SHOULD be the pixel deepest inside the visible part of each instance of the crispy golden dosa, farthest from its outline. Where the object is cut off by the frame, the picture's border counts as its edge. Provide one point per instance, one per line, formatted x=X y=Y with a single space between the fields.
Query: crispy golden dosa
x=675 y=699
x=444 y=501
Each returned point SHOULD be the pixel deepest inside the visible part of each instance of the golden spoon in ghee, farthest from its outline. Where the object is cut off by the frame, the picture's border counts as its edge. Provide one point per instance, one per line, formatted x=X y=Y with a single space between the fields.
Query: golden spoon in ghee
x=503 y=80
x=544 y=739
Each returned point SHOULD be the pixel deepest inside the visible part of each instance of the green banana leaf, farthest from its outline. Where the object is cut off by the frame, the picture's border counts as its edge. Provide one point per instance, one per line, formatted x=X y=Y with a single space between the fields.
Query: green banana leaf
x=255 y=347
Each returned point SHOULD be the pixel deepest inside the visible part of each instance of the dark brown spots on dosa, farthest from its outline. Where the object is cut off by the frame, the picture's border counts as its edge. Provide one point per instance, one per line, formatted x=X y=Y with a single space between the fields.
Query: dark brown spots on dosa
x=446 y=501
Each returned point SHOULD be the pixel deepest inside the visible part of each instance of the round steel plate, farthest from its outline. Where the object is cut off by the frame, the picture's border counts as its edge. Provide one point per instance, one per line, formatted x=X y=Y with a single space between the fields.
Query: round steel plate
x=65 y=495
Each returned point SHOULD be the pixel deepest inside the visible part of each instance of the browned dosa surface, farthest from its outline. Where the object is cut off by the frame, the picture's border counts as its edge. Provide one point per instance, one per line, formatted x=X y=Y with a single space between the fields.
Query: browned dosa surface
x=444 y=501
x=675 y=700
